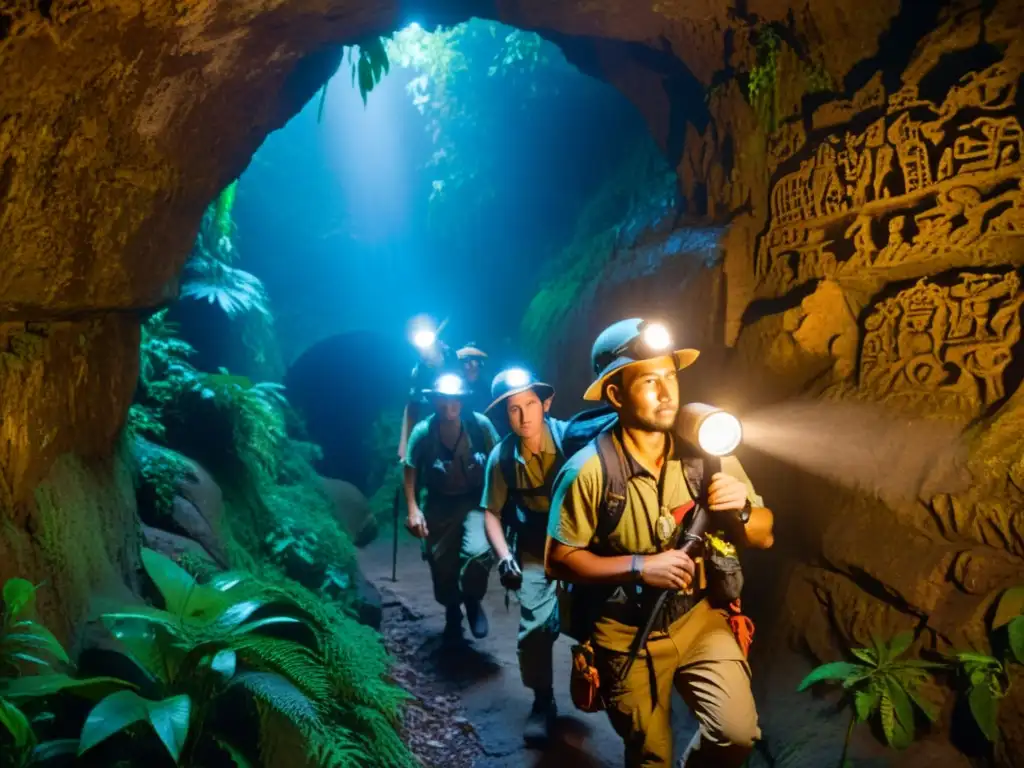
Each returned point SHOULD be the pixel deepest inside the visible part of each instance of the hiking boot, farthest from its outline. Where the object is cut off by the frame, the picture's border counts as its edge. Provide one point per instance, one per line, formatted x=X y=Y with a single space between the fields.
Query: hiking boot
x=477 y=619
x=452 y=635
x=541 y=719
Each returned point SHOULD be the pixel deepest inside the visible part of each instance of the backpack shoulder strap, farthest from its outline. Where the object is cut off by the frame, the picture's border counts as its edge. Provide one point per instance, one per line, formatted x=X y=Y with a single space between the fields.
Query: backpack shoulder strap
x=615 y=475
x=507 y=461
x=476 y=433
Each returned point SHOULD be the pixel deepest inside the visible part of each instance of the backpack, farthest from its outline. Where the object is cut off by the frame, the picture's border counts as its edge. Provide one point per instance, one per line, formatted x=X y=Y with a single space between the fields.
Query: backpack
x=579 y=603
x=474 y=433
x=525 y=530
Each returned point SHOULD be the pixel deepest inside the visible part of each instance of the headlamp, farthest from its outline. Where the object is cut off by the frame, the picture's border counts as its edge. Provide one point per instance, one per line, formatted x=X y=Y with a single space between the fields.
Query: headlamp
x=656 y=337
x=516 y=377
x=448 y=384
x=714 y=431
x=424 y=338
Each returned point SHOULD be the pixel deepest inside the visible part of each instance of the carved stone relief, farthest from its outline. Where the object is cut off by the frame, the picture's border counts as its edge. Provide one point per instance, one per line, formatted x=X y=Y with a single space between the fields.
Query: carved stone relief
x=916 y=183
x=942 y=347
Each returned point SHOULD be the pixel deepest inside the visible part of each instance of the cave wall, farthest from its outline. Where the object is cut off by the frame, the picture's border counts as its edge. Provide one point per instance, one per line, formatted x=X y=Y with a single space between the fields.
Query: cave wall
x=873 y=251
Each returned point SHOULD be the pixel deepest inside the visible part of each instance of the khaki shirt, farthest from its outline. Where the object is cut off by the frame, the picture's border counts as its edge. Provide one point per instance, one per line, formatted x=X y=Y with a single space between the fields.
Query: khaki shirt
x=574 y=509
x=445 y=472
x=532 y=470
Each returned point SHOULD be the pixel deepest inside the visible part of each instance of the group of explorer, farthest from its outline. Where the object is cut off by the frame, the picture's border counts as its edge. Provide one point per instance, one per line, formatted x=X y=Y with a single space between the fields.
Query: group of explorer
x=583 y=518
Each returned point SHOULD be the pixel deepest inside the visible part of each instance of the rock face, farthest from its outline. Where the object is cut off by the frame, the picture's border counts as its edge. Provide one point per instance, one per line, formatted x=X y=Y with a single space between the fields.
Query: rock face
x=871 y=181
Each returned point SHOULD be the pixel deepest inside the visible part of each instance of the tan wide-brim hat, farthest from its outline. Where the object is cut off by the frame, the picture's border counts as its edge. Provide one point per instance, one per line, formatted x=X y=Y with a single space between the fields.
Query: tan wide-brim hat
x=514 y=381
x=609 y=355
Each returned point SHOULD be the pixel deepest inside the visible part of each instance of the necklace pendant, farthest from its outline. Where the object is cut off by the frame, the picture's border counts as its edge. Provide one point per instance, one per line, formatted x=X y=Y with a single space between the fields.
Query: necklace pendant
x=665 y=529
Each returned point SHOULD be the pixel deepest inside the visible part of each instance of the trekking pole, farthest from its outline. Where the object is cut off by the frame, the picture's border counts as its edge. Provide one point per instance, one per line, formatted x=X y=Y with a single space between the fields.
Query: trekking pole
x=689 y=539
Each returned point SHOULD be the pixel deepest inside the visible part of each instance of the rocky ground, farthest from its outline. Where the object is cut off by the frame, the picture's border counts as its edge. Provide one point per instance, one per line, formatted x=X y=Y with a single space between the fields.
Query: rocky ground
x=469 y=707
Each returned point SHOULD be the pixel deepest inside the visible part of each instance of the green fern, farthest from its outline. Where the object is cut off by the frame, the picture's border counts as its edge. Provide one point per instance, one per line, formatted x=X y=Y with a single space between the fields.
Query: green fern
x=880 y=684
x=762 y=85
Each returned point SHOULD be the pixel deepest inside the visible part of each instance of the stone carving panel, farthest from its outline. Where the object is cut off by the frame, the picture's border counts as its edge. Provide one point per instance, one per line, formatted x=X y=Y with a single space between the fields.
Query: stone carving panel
x=918 y=182
x=943 y=347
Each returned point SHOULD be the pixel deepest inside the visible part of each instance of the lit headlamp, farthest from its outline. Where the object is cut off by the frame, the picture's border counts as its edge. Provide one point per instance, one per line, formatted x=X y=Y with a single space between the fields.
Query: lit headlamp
x=652 y=340
x=424 y=338
x=449 y=384
x=711 y=429
x=516 y=377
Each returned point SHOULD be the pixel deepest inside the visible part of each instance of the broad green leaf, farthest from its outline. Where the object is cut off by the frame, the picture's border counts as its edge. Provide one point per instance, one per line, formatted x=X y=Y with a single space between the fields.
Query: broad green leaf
x=54 y=748
x=28 y=658
x=18 y=595
x=985 y=712
x=14 y=720
x=174 y=582
x=903 y=730
x=37 y=636
x=864 y=703
x=923 y=704
x=237 y=613
x=1015 y=632
x=881 y=649
x=143 y=613
x=252 y=626
x=224 y=582
x=980 y=658
x=899 y=644
x=151 y=646
x=112 y=715
x=46 y=685
x=224 y=664
x=1009 y=607
x=834 y=671
x=866 y=655
x=887 y=715
x=170 y=719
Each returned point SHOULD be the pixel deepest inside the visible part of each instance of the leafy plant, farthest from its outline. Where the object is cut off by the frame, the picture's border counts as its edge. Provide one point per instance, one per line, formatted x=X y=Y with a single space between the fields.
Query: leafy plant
x=160 y=473
x=986 y=680
x=880 y=685
x=762 y=85
x=1009 y=617
x=27 y=645
x=207 y=641
x=25 y=642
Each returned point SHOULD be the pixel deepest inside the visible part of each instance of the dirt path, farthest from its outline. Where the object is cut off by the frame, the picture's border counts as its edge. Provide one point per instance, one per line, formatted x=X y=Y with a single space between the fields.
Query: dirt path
x=470 y=706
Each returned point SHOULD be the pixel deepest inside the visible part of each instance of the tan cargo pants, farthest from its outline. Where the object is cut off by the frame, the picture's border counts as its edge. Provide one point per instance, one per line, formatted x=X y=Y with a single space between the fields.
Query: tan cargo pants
x=700 y=656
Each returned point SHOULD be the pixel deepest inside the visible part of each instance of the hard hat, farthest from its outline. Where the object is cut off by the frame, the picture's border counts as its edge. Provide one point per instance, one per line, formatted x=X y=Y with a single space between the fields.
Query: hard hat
x=448 y=384
x=630 y=341
x=471 y=352
x=512 y=381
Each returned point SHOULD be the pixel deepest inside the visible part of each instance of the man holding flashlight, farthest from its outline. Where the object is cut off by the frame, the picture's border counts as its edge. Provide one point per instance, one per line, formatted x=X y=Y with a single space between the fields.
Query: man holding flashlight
x=520 y=474
x=621 y=559
x=445 y=460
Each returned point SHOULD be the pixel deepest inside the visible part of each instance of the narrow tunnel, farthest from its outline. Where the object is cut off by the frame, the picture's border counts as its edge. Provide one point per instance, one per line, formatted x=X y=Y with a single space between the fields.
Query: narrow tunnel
x=209 y=270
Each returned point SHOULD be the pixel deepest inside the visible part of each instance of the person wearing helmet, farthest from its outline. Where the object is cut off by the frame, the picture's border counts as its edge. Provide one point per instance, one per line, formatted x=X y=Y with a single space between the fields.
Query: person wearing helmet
x=435 y=358
x=520 y=472
x=472 y=360
x=621 y=560
x=444 y=464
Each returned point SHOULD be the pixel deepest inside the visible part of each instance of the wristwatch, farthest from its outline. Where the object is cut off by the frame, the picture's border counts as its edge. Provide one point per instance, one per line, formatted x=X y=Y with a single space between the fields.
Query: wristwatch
x=745 y=512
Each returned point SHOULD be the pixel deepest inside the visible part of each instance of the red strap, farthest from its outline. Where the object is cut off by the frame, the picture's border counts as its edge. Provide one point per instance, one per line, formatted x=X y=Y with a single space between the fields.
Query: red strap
x=680 y=512
x=742 y=627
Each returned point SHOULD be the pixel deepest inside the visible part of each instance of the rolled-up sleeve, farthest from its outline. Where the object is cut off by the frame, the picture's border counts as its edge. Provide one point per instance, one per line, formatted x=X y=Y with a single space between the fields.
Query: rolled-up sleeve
x=572 y=519
x=495 y=487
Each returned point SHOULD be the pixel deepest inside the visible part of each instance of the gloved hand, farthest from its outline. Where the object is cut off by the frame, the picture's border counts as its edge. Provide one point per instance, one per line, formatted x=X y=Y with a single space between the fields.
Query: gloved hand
x=509 y=574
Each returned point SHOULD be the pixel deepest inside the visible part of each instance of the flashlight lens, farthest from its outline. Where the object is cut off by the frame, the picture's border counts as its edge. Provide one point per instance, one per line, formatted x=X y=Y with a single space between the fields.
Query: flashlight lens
x=656 y=337
x=449 y=384
x=517 y=377
x=720 y=434
x=424 y=338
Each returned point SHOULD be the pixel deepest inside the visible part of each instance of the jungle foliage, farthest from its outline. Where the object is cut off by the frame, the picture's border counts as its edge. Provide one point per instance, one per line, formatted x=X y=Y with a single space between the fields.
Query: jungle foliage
x=275 y=639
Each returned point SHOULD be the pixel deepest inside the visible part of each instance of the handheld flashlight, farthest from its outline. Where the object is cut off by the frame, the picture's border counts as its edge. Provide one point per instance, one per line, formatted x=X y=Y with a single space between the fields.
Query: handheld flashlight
x=714 y=431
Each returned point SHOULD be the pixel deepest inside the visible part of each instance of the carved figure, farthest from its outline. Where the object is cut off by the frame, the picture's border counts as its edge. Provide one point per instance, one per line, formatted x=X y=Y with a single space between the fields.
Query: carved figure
x=945 y=346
